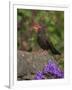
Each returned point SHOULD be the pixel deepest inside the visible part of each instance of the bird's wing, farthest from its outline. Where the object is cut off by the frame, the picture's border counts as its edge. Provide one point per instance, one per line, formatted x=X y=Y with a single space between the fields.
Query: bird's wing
x=46 y=41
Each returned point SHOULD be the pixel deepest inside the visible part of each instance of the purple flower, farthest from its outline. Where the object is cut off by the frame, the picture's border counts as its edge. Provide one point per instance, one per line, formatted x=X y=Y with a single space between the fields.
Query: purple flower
x=39 y=75
x=50 y=67
x=61 y=75
x=53 y=69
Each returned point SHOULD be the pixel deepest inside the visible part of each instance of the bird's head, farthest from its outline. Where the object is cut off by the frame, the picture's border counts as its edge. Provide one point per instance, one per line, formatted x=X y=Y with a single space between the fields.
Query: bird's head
x=36 y=27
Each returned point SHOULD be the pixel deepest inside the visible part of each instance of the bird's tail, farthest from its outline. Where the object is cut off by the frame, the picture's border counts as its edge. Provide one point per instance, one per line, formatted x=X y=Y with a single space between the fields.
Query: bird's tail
x=54 y=50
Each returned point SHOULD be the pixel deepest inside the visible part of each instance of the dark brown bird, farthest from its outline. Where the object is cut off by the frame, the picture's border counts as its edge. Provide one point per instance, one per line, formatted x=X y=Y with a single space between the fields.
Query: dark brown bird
x=43 y=41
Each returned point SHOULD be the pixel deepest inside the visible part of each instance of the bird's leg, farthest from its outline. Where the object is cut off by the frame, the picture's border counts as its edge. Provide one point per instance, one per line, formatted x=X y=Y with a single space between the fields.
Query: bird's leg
x=40 y=50
x=43 y=52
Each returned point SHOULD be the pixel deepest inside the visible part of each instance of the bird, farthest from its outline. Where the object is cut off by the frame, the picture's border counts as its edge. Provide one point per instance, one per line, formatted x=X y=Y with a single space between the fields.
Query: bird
x=43 y=41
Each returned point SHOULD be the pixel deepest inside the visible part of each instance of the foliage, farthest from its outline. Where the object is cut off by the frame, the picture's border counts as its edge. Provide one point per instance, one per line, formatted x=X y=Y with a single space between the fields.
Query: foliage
x=53 y=20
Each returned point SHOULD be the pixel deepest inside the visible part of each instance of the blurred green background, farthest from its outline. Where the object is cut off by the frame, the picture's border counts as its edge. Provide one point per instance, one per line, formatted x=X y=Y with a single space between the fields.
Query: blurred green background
x=53 y=21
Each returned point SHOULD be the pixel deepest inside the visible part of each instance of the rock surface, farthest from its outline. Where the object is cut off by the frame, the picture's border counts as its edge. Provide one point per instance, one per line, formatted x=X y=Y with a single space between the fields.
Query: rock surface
x=28 y=63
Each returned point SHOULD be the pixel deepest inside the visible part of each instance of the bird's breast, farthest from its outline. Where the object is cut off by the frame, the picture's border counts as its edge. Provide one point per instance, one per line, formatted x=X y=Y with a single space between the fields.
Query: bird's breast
x=42 y=42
